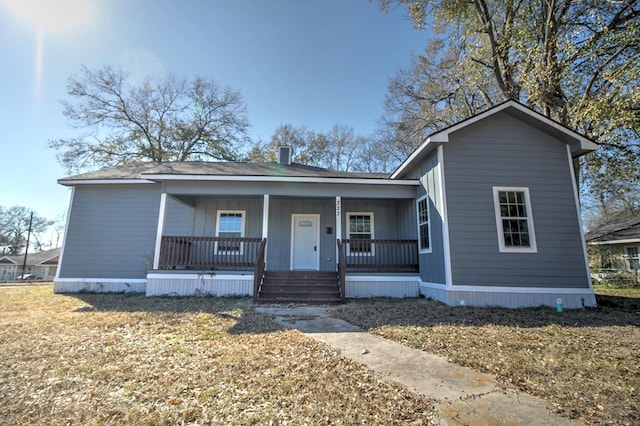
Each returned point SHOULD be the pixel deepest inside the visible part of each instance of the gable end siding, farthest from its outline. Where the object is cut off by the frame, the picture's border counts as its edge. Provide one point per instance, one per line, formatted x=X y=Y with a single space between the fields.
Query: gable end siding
x=503 y=151
x=111 y=232
x=432 y=265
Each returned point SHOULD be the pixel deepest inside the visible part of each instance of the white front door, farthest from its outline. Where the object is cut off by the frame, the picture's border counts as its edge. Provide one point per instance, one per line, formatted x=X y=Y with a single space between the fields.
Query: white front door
x=305 y=238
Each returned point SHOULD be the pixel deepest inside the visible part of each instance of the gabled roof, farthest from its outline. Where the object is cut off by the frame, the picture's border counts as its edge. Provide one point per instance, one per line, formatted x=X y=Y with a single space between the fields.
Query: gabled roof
x=578 y=143
x=144 y=171
x=620 y=231
x=46 y=257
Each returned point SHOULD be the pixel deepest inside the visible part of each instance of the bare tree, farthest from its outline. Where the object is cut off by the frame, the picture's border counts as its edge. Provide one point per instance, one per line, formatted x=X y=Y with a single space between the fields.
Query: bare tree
x=174 y=119
x=14 y=225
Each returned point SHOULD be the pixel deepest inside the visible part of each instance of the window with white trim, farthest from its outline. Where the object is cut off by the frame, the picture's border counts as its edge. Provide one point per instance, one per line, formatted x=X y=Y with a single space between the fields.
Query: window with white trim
x=230 y=224
x=634 y=257
x=424 y=232
x=514 y=220
x=360 y=227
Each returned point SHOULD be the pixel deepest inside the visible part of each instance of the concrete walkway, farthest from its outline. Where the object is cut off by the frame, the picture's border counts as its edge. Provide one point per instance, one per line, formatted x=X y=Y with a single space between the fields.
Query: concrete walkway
x=462 y=396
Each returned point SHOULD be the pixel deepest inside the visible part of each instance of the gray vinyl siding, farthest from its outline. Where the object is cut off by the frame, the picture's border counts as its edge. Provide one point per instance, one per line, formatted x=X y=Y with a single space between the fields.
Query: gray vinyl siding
x=179 y=218
x=206 y=214
x=503 y=151
x=112 y=230
x=393 y=219
x=432 y=265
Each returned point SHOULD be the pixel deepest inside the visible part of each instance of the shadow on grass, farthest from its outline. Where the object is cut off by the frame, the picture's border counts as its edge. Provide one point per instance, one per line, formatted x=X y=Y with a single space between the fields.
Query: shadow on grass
x=611 y=311
x=239 y=311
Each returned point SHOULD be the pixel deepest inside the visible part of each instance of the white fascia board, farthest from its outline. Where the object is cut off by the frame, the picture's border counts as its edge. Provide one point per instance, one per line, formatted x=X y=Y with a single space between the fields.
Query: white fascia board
x=9 y=259
x=612 y=242
x=72 y=182
x=427 y=146
x=226 y=178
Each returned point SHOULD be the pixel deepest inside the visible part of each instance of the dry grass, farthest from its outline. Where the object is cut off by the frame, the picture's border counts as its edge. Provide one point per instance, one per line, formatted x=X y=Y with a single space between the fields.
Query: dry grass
x=116 y=359
x=585 y=362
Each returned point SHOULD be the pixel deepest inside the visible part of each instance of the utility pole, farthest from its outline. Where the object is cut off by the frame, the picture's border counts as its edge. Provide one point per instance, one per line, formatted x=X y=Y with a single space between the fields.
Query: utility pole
x=26 y=249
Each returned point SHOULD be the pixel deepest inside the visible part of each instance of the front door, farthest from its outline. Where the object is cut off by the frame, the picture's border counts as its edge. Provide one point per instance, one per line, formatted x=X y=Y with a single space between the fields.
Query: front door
x=305 y=238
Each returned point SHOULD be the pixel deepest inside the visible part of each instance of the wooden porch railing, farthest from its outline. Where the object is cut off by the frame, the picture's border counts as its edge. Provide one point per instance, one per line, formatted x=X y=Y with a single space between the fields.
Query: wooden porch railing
x=258 y=274
x=379 y=255
x=210 y=253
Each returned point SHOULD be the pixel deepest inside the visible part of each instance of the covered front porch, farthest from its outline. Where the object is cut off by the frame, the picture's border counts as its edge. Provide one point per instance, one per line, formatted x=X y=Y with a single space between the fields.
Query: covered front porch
x=237 y=266
x=225 y=245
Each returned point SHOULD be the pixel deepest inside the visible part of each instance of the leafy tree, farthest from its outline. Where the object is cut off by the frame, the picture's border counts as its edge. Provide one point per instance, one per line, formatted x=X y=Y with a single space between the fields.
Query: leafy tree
x=578 y=62
x=173 y=119
x=14 y=226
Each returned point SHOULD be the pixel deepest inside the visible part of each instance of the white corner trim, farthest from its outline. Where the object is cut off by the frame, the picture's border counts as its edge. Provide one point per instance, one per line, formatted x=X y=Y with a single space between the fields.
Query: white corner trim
x=66 y=232
x=576 y=198
x=159 y=230
x=446 y=243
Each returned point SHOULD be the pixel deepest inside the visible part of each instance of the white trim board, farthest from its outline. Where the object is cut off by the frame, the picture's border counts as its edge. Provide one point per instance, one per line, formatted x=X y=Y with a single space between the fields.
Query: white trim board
x=498 y=289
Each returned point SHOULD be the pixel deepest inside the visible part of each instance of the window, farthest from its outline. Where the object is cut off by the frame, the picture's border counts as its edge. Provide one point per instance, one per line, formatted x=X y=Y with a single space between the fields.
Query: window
x=424 y=239
x=360 y=227
x=514 y=220
x=230 y=225
x=634 y=257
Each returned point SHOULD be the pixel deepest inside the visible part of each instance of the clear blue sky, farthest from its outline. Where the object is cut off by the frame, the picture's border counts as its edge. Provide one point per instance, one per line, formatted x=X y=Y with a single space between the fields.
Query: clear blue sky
x=306 y=62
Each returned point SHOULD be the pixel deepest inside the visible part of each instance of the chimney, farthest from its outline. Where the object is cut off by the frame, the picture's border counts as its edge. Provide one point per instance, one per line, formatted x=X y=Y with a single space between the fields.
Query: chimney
x=284 y=155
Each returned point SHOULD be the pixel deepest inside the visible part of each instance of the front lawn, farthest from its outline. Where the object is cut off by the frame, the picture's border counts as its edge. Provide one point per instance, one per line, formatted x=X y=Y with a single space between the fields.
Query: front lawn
x=117 y=359
x=585 y=362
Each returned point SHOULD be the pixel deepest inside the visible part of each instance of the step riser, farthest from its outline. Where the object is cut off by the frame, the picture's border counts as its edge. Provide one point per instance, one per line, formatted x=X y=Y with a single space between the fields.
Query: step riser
x=300 y=287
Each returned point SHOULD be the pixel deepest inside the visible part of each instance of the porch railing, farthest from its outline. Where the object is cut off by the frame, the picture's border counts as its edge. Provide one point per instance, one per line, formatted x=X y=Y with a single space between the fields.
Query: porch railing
x=258 y=275
x=210 y=253
x=379 y=255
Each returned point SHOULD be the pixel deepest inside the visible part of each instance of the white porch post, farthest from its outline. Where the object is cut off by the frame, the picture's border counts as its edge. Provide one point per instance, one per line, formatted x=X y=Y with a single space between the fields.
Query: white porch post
x=156 y=253
x=265 y=216
x=338 y=223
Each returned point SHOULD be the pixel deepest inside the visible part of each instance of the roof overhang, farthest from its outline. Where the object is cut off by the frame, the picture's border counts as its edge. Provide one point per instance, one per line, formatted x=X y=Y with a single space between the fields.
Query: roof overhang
x=217 y=178
x=578 y=144
x=73 y=182
x=612 y=242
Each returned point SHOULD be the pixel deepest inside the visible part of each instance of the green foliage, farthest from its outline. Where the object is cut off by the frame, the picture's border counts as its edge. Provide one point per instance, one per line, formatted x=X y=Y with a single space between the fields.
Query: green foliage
x=577 y=62
x=172 y=119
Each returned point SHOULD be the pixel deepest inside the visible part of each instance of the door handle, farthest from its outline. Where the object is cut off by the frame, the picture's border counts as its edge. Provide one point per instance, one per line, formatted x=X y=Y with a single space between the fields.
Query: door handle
x=315 y=248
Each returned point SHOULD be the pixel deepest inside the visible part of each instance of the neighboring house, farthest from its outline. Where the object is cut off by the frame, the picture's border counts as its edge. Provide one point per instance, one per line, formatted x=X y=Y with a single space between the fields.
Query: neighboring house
x=484 y=212
x=42 y=265
x=617 y=244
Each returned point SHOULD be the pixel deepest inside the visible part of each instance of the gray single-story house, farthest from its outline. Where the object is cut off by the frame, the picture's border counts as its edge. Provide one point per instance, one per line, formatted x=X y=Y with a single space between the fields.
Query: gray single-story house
x=484 y=213
x=41 y=265
x=617 y=243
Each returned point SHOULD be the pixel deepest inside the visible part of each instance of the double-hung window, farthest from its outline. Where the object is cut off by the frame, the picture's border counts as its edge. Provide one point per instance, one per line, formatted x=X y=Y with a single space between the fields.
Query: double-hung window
x=514 y=220
x=360 y=228
x=230 y=227
x=424 y=235
x=634 y=257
